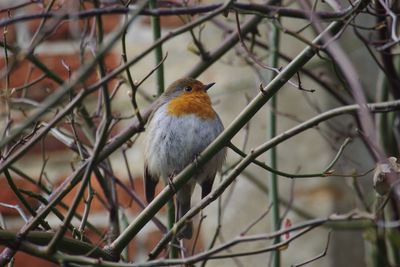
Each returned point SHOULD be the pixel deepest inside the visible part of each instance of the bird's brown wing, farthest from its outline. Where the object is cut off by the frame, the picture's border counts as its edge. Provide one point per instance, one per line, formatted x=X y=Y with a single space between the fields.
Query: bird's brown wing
x=150 y=183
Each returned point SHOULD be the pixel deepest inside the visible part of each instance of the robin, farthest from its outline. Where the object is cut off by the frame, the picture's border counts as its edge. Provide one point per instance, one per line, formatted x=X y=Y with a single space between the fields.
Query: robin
x=182 y=124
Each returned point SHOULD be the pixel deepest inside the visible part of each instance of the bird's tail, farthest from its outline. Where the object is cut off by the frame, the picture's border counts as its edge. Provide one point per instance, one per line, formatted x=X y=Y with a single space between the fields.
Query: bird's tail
x=182 y=208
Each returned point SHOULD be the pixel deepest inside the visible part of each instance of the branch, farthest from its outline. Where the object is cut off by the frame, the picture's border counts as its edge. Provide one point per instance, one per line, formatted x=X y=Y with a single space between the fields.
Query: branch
x=257 y=9
x=221 y=141
x=36 y=238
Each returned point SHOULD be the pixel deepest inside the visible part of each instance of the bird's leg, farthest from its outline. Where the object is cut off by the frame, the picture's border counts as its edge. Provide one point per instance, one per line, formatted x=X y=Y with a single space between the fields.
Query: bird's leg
x=170 y=183
x=195 y=160
x=184 y=251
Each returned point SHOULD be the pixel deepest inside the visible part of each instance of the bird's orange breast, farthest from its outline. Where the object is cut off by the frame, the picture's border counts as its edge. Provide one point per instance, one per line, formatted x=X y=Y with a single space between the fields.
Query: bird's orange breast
x=197 y=103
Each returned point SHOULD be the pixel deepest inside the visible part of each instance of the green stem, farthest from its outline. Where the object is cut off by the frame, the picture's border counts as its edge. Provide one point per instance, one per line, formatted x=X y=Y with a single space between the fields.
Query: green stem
x=66 y=88
x=111 y=189
x=66 y=244
x=173 y=252
x=155 y=25
x=22 y=199
x=130 y=130
x=228 y=43
x=272 y=153
x=44 y=201
x=327 y=172
x=221 y=141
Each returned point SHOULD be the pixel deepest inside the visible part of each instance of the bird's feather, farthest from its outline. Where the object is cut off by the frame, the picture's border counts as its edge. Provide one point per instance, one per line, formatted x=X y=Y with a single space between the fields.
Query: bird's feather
x=206 y=186
x=150 y=184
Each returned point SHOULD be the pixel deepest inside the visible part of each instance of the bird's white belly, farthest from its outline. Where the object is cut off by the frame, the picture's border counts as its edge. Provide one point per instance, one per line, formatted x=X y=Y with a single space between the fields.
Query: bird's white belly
x=174 y=142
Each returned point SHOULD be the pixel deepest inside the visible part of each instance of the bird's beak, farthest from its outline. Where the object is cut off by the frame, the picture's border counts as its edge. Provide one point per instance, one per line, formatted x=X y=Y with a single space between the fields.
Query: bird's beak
x=208 y=86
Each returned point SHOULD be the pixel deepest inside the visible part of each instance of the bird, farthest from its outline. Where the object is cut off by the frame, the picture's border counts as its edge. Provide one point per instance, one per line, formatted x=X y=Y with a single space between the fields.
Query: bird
x=182 y=124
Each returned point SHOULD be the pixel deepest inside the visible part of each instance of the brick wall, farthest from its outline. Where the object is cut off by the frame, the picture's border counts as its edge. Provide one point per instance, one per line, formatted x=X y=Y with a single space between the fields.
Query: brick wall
x=60 y=52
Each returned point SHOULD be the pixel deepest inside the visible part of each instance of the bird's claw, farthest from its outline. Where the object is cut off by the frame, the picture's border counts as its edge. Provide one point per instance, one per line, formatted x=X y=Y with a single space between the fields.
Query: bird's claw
x=170 y=182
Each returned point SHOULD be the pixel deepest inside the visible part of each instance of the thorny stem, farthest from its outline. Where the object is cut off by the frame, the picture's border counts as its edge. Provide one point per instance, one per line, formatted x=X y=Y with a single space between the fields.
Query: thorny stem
x=112 y=197
x=84 y=93
x=54 y=98
x=272 y=155
x=327 y=172
x=95 y=156
x=255 y=9
x=117 y=246
x=214 y=253
x=156 y=27
x=22 y=199
x=132 y=84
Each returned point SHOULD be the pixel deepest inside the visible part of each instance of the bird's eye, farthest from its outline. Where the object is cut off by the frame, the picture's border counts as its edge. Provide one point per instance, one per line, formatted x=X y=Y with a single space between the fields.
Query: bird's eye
x=187 y=88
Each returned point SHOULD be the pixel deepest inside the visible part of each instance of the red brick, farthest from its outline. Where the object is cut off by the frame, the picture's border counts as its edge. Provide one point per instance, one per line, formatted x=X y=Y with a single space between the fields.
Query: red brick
x=22 y=260
x=8 y=196
x=18 y=76
x=151 y=241
x=23 y=73
x=11 y=34
x=49 y=145
x=154 y=237
x=96 y=205
x=167 y=22
x=110 y=22
x=125 y=200
x=72 y=28
x=172 y=21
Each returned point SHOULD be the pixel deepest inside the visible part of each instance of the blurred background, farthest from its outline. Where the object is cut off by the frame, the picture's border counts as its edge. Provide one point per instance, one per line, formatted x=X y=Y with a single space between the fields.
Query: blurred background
x=64 y=46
